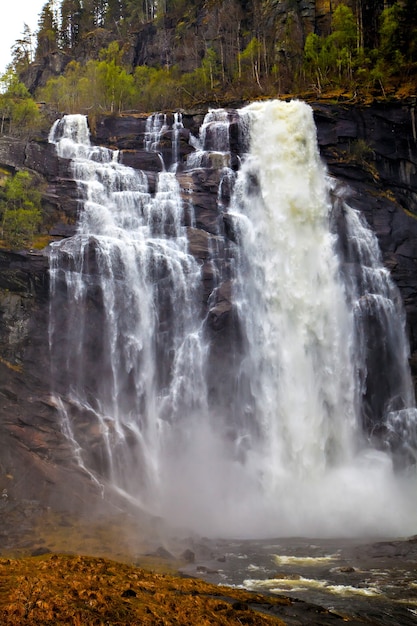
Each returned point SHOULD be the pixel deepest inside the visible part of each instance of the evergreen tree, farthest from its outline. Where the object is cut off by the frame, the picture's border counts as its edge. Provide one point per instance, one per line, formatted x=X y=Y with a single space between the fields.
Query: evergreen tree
x=48 y=34
x=408 y=25
x=115 y=12
x=71 y=11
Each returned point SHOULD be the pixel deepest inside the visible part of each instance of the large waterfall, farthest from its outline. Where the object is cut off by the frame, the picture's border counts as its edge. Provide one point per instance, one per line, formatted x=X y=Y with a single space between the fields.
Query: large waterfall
x=295 y=435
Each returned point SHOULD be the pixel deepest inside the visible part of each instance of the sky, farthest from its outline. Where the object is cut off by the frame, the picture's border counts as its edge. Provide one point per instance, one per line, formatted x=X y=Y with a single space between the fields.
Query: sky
x=14 y=15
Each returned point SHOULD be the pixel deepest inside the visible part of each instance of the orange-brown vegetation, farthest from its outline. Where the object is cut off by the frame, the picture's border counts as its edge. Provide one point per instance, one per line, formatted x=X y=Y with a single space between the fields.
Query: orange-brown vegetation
x=87 y=591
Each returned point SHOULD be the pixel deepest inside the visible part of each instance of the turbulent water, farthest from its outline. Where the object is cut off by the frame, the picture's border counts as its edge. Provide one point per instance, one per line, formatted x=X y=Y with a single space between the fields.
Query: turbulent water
x=310 y=438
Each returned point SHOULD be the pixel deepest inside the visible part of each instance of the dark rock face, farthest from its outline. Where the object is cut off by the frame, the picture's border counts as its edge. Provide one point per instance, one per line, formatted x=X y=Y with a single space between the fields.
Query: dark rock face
x=371 y=150
x=374 y=151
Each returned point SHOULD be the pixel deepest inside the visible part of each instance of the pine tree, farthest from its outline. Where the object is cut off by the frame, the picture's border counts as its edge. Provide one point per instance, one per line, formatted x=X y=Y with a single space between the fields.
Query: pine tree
x=71 y=11
x=48 y=35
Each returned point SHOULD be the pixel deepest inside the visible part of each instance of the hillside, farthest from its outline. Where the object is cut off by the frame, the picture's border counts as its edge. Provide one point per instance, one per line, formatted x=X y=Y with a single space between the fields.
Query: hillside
x=113 y=56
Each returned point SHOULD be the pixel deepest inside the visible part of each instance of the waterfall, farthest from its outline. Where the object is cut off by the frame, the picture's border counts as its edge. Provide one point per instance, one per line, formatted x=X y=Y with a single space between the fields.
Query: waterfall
x=124 y=313
x=298 y=326
x=385 y=395
x=304 y=440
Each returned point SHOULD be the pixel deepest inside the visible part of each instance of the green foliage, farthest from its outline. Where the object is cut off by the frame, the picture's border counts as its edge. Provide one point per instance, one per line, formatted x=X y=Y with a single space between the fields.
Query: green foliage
x=231 y=49
x=389 y=30
x=113 y=82
x=250 y=55
x=331 y=59
x=338 y=60
x=210 y=68
x=102 y=85
x=19 y=114
x=47 y=37
x=155 y=88
x=344 y=30
x=20 y=210
x=22 y=52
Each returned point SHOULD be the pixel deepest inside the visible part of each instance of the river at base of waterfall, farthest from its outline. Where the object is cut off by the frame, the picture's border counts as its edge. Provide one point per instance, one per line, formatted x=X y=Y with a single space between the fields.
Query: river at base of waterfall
x=371 y=579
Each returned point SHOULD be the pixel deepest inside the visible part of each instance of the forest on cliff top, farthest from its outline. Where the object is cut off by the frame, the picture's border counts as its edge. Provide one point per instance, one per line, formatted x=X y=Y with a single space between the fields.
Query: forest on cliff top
x=100 y=56
x=111 y=56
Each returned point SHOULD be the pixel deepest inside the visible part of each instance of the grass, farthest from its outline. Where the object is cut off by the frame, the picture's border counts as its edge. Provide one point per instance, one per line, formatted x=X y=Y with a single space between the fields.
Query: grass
x=93 y=591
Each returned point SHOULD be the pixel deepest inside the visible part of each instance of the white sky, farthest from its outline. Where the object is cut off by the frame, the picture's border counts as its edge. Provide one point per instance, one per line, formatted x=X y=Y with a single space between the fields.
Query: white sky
x=14 y=14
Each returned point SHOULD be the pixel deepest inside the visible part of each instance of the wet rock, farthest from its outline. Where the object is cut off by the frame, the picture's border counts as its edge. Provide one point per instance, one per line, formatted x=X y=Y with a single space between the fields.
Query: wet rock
x=345 y=570
x=141 y=160
x=202 y=569
x=188 y=556
x=162 y=553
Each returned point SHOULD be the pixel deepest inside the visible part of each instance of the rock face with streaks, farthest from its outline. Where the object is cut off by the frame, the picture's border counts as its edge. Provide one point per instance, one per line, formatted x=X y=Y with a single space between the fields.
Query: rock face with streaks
x=372 y=150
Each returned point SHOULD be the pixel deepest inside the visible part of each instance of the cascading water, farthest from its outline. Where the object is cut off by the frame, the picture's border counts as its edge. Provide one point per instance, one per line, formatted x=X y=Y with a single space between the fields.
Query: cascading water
x=141 y=366
x=298 y=327
x=386 y=401
x=295 y=452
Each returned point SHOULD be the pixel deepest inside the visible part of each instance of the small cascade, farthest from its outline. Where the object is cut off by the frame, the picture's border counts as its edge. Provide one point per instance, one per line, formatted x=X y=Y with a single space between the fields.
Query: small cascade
x=156 y=124
x=158 y=129
x=177 y=126
x=213 y=148
x=286 y=425
x=385 y=394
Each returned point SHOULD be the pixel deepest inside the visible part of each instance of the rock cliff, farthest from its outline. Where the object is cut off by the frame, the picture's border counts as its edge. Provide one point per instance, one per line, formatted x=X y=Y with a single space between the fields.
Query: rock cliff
x=371 y=150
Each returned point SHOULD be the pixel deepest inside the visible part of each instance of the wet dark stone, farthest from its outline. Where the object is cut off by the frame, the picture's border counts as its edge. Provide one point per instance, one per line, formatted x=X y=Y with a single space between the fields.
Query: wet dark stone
x=188 y=556
x=162 y=553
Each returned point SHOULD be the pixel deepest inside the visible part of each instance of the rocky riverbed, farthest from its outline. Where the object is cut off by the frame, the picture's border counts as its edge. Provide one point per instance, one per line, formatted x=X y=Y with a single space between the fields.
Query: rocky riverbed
x=298 y=581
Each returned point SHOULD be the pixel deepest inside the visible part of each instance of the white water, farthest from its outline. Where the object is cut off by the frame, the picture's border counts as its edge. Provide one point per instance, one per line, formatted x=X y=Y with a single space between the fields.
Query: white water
x=291 y=456
x=150 y=370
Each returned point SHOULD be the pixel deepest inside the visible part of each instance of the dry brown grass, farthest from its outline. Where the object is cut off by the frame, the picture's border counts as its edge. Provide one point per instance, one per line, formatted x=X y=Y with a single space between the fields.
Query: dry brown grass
x=88 y=591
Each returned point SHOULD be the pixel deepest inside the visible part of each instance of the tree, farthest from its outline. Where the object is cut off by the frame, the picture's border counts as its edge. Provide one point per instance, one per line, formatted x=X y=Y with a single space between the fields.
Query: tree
x=116 y=84
x=408 y=27
x=115 y=12
x=63 y=92
x=20 y=210
x=389 y=35
x=18 y=111
x=48 y=33
x=312 y=59
x=71 y=11
x=210 y=67
x=331 y=60
x=250 y=59
x=22 y=50
x=388 y=57
x=342 y=42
